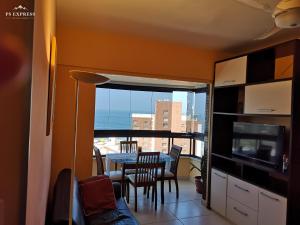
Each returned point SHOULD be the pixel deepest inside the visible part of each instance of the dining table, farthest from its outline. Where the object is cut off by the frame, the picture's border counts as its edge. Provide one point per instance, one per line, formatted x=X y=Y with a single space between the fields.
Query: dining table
x=128 y=161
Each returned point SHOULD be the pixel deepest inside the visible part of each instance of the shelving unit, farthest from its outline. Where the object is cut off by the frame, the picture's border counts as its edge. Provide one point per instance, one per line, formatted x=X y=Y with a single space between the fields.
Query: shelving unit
x=268 y=66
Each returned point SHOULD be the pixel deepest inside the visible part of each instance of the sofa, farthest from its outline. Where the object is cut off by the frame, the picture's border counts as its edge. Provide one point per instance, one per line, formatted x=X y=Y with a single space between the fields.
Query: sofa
x=61 y=199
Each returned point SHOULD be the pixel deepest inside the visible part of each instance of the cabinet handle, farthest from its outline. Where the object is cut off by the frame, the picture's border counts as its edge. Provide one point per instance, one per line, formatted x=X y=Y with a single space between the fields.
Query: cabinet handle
x=241 y=188
x=270 y=197
x=240 y=211
x=220 y=176
x=228 y=81
x=266 y=110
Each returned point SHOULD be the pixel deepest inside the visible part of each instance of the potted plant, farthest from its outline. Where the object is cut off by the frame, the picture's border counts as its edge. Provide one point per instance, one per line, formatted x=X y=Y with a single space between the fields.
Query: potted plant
x=198 y=179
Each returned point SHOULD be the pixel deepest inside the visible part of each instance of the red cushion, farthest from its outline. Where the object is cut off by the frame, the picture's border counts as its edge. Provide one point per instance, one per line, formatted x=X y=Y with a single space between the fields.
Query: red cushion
x=94 y=178
x=97 y=195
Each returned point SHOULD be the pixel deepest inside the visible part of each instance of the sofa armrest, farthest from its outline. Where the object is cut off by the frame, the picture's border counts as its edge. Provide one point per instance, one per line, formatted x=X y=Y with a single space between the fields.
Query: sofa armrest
x=61 y=198
x=117 y=190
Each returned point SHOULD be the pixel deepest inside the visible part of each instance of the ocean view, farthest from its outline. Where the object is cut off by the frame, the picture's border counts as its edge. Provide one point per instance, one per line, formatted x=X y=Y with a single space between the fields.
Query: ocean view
x=105 y=120
x=114 y=108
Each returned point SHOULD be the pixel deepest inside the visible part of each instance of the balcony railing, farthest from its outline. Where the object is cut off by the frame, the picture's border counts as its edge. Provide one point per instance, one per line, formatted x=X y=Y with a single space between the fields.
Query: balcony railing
x=153 y=140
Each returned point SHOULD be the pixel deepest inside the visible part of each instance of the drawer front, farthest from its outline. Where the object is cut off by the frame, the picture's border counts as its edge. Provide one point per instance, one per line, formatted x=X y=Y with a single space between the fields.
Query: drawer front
x=218 y=191
x=272 y=208
x=243 y=192
x=240 y=214
x=270 y=98
x=231 y=72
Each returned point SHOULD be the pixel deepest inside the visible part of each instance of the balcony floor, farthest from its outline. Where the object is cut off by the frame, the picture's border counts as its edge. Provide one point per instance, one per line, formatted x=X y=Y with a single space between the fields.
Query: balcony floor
x=187 y=210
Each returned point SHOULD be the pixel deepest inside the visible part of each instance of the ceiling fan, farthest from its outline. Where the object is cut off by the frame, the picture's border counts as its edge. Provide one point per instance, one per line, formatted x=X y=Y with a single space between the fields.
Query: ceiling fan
x=286 y=13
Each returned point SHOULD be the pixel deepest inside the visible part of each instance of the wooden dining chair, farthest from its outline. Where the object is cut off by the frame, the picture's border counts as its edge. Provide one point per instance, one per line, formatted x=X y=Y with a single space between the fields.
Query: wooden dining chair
x=128 y=147
x=145 y=174
x=171 y=174
x=113 y=175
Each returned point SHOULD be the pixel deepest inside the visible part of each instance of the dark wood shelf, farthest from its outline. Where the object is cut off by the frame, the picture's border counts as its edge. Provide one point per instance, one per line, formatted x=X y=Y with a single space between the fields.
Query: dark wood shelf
x=267 y=65
x=272 y=171
x=251 y=115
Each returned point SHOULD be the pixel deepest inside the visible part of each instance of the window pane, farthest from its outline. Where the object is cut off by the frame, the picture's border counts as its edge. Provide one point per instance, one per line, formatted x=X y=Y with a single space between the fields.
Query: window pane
x=162 y=110
x=153 y=144
x=161 y=144
x=177 y=111
x=119 y=105
x=141 y=110
x=141 y=102
x=148 y=144
x=200 y=112
x=184 y=143
x=109 y=144
x=199 y=148
x=102 y=109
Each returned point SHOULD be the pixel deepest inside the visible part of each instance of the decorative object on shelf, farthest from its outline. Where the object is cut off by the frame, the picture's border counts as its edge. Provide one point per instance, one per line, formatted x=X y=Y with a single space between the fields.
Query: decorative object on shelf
x=285 y=163
x=51 y=86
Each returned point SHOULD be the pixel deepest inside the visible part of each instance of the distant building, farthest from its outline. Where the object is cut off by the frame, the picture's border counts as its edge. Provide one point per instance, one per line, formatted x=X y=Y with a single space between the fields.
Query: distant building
x=143 y=122
x=168 y=116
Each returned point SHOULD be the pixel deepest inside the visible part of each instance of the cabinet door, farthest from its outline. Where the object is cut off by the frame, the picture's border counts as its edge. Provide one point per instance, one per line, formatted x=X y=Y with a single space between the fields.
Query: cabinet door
x=272 y=208
x=269 y=98
x=243 y=192
x=218 y=191
x=241 y=214
x=231 y=72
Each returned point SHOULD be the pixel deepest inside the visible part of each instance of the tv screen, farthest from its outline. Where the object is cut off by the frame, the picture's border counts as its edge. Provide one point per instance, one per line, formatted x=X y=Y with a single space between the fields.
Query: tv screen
x=260 y=142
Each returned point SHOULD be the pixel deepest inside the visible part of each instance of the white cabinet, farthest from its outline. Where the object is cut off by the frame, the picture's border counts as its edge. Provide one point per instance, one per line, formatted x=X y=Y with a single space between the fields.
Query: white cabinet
x=218 y=191
x=244 y=203
x=231 y=72
x=241 y=214
x=243 y=192
x=269 y=98
x=272 y=208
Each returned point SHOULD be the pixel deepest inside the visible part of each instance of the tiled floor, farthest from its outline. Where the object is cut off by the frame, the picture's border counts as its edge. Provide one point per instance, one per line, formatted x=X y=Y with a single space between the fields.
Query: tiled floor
x=187 y=210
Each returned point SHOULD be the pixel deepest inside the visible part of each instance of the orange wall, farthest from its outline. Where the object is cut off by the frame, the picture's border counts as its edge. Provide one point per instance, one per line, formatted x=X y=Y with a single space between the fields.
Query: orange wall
x=118 y=54
x=63 y=131
x=15 y=66
x=128 y=54
x=39 y=161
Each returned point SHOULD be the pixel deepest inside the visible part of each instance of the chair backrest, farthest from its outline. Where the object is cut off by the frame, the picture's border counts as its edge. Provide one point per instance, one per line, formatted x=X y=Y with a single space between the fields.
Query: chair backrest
x=175 y=155
x=100 y=168
x=146 y=167
x=128 y=147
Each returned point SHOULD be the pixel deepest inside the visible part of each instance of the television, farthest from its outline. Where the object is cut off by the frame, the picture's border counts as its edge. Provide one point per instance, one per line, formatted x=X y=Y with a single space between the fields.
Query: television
x=259 y=142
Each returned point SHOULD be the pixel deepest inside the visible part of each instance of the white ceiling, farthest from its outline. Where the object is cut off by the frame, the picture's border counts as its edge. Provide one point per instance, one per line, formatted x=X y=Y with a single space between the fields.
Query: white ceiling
x=211 y=24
